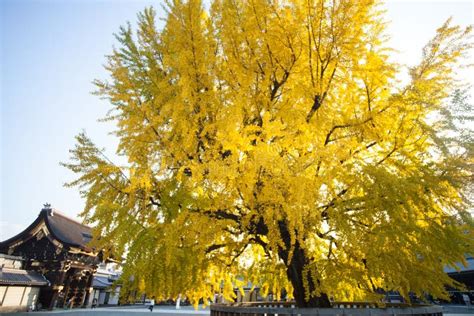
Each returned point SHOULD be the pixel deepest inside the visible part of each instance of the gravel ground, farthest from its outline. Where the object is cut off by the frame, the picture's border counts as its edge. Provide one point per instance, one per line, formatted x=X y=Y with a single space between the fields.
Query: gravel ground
x=138 y=310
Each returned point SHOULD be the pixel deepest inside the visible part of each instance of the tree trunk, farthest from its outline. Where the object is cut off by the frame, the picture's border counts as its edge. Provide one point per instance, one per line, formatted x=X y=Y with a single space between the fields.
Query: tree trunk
x=296 y=275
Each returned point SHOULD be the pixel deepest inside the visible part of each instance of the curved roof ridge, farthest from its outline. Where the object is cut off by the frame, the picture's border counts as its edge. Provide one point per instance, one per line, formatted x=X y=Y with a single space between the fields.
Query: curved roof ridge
x=67 y=230
x=4 y=244
x=58 y=212
x=64 y=229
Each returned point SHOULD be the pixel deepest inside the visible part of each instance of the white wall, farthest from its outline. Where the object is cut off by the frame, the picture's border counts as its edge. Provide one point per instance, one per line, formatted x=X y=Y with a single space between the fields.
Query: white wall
x=31 y=296
x=13 y=296
x=101 y=297
x=18 y=296
x=3 y=288
x=114 y=296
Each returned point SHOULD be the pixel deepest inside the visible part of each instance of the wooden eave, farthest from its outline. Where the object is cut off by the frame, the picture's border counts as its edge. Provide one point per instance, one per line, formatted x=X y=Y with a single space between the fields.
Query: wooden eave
x=41 y=224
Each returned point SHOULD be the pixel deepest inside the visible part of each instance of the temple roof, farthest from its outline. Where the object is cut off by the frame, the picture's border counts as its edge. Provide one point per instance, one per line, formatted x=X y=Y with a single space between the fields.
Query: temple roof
x=68 y=230
x=62 y=228
x=461 y=267
x=101 y=282
x=21 y=277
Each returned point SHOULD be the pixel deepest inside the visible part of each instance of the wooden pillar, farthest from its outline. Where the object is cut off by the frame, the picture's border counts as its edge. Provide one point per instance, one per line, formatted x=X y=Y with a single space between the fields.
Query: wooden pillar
x=86 y=302
x=56 y=288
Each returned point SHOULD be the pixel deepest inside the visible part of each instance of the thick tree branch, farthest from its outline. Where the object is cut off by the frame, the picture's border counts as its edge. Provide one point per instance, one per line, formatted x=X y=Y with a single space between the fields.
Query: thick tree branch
x=335 y=127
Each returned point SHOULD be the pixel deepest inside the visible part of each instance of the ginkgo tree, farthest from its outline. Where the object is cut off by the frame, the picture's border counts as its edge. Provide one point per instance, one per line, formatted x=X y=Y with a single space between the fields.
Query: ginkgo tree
x=270 y=142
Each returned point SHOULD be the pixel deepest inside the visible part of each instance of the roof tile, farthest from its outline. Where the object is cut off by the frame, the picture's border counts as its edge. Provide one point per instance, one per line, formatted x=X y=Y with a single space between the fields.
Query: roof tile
x=21 y=277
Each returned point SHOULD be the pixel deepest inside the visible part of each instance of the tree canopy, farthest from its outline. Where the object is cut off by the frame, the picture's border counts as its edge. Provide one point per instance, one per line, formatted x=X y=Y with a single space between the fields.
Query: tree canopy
x=270 y=142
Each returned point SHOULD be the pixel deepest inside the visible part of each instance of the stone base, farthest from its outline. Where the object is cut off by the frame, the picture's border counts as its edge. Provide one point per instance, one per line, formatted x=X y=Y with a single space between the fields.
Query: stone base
x=11 y=309
x=265 y=310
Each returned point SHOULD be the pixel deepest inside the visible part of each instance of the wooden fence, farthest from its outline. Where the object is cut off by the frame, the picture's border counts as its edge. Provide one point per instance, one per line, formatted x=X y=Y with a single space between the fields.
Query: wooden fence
x=338 y=309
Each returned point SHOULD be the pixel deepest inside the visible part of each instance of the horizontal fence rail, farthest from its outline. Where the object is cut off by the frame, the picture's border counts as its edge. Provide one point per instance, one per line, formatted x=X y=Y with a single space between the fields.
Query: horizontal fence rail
x=338 y=309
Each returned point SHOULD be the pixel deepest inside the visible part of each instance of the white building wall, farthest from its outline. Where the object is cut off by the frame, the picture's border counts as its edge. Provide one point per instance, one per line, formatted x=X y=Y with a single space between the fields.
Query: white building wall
x=101 y=297
x=3 y=288
x=24 y=297
x=114 y=297
x=13 y=296
x=31 y=296
x=18 y=296
x=109 y=270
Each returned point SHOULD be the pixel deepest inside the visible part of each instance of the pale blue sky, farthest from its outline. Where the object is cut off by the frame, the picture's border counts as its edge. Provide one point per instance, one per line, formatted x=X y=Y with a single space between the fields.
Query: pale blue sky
x=51 y=51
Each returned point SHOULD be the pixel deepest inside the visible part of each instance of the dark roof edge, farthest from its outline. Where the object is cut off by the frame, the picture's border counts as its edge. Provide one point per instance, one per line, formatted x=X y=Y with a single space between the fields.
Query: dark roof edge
x=18 y=236
x=34 y=278
x=44 y=216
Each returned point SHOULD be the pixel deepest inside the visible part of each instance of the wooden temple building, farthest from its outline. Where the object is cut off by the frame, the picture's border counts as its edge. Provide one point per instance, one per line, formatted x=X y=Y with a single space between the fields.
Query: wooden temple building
x=56 y=247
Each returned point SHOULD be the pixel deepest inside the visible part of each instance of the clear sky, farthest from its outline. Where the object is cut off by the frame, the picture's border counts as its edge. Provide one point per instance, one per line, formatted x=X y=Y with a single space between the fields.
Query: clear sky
x=51 y=50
